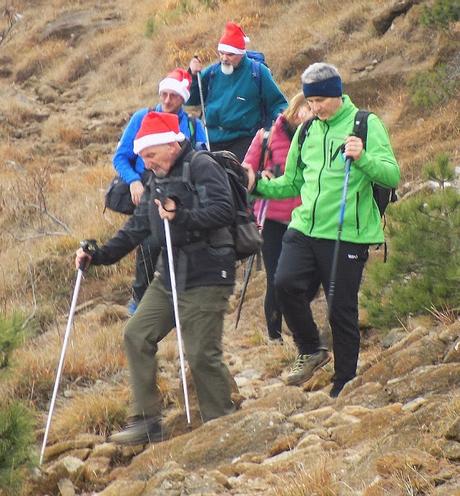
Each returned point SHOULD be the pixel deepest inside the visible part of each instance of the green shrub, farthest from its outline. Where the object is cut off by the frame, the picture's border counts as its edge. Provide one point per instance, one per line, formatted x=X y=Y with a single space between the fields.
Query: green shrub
x=16 y=443
x=441 y=13
x=210 y=4
x=434 y=87
x=11 y=336
x=150 y=27
x=423 y=270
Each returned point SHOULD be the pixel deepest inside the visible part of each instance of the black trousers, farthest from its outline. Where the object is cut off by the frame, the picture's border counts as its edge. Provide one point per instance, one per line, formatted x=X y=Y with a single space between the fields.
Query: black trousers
x=271 y=249
x=238 y=146
x=146 y=259
x=304 y=264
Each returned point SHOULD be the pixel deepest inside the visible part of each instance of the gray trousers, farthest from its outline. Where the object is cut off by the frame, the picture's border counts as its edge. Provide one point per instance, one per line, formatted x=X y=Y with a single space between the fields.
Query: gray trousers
x=201 y=313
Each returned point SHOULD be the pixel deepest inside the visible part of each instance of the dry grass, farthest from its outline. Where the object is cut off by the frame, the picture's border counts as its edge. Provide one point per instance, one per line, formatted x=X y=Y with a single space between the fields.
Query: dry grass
x=316 y=480
x=93 y=352
x=281 y=357
x=99 y=411
x=37 y=58
x=67 y=129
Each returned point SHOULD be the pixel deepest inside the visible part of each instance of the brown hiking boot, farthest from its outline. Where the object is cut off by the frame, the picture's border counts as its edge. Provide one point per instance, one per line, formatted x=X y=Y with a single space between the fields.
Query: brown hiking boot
x=139 y=430
x=305 y=366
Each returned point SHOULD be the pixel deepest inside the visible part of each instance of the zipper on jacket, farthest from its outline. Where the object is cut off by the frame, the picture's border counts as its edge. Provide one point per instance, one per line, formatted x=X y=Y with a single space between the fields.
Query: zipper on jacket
x=330 y=156
x=319 y=178
x=357 y=211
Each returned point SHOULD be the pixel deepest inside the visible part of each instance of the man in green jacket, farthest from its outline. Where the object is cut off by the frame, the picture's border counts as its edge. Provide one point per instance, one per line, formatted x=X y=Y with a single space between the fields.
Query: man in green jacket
x=308 y=245
x=240 y=95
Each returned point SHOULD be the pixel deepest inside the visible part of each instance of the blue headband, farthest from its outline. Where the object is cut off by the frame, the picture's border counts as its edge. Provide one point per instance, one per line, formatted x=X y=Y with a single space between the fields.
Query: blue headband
x=331 y=87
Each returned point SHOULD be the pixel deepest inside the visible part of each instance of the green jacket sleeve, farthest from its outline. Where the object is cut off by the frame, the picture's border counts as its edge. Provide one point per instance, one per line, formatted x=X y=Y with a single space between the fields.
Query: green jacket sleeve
x=289 y=184
x=378 y=161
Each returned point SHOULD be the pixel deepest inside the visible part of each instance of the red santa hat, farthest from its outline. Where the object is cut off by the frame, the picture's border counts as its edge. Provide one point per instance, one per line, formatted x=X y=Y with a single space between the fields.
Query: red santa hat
x=233 y=39
x=157 y=128
x=179 y=81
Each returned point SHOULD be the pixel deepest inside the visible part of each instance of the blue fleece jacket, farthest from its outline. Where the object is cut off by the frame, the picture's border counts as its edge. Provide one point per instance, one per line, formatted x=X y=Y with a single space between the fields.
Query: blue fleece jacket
x=234 y=103
x=130 y=166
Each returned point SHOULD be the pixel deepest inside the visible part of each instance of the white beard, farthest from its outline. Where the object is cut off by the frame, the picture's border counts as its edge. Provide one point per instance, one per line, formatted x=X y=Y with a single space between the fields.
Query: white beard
x=226 y=69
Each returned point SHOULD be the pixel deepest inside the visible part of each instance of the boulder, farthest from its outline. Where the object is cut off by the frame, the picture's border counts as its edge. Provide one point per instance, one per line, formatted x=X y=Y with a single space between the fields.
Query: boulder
x=74 y=24
x=429 y=379
x=124 y=488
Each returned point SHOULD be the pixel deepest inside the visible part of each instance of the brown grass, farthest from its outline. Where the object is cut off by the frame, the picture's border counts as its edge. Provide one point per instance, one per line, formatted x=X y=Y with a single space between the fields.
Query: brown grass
x=100 y=412
x=93 y=352
x=316 y=480
x=36 y=59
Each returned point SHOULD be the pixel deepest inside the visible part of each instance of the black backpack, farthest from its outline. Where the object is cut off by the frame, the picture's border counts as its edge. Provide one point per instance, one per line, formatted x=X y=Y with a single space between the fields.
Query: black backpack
x=382 y=196
x=246 y=237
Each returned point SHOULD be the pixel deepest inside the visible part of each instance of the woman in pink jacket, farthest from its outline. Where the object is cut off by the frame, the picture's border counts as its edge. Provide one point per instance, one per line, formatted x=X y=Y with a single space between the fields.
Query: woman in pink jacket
x=268 y=154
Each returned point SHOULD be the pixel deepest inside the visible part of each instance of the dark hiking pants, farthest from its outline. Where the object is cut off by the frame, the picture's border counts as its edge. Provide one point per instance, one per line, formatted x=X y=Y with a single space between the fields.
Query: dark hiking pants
x=304 y=264
x=201 y=313
x=271 y=249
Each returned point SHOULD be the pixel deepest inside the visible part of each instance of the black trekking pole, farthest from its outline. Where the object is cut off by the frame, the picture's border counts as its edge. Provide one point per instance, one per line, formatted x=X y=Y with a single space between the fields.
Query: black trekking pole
x=335 y=256
x=89 y=246
x=250 y=263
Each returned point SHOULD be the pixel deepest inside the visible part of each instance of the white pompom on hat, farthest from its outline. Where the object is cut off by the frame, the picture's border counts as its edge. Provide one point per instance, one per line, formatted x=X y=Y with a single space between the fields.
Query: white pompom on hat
x=179 y=81
x=157 y=128
x=233 y=39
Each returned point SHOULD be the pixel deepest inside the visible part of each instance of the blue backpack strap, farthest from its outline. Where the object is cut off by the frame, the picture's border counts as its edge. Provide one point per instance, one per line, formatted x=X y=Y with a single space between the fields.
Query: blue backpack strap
x=256 y=75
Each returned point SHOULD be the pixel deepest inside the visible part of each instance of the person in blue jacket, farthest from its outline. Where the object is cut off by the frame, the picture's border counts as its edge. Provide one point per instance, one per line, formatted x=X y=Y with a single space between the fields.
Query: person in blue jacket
x=174 y=90
x=240 y=95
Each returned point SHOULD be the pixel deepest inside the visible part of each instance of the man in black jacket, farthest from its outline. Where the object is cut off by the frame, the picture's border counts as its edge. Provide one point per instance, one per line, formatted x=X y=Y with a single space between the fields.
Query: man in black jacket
x=197 y=201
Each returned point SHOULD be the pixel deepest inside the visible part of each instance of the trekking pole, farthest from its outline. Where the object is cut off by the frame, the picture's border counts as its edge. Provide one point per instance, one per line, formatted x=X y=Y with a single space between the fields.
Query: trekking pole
x=247 y=275
x=176 y=316
x=89 y=246
x=335 y=256
x=261 y=216
x=203 y=114
x=250 y=263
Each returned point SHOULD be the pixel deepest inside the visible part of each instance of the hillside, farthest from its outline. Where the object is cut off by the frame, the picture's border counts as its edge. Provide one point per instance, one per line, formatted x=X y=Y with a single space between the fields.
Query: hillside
x=71 y=74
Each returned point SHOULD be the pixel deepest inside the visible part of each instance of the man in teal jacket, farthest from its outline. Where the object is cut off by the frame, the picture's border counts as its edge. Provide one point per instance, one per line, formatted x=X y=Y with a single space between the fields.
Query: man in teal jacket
x=306 y=258
x=240 y=95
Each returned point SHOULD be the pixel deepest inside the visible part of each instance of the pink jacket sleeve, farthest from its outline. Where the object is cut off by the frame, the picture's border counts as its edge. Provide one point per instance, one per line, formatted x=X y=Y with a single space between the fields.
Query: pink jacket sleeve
x=252 y=156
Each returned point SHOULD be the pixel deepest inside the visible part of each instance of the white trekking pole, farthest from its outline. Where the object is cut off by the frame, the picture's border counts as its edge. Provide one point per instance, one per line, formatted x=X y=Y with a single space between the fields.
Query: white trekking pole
x=203 y=115
x=89 y=246
x=176 y=316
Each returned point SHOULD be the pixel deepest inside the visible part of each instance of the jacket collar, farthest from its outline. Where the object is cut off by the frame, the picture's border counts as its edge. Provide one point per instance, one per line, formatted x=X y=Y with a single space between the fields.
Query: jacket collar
x=347 y=108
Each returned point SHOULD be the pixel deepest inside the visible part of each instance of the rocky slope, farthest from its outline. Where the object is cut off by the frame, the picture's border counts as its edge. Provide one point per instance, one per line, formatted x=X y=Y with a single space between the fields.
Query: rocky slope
x=394 y=429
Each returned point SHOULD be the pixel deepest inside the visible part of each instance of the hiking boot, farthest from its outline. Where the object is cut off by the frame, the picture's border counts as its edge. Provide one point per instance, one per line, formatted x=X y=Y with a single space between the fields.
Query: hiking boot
x=304 y=367
x=139 y=430
x=132 y=307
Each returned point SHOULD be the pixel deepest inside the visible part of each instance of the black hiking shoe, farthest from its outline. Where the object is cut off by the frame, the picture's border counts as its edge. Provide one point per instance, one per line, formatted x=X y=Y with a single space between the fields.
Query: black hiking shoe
x=305 y=366
x=139 y=430
x=337 y=387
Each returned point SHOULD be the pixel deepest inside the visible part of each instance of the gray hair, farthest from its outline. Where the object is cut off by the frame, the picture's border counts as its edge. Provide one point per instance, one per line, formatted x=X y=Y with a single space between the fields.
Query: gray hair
x=319 y=72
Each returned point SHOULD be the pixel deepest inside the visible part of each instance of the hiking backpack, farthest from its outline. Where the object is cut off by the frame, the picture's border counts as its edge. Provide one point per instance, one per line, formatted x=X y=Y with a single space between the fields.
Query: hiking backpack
x=246 y=237
x=256 y=58
x=382 y=195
